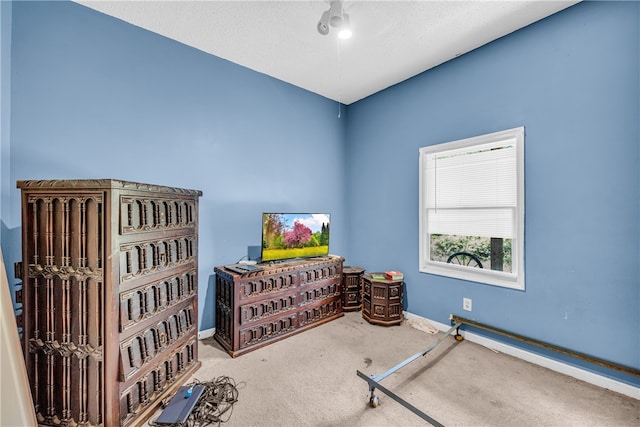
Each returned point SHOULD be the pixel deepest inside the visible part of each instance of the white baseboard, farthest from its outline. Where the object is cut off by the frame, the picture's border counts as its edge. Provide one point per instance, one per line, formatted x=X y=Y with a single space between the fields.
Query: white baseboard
x=207 y=333
x=554 y=365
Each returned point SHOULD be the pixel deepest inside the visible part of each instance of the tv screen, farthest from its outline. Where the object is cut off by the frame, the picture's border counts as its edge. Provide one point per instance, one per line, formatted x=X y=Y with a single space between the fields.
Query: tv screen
x=294 y=235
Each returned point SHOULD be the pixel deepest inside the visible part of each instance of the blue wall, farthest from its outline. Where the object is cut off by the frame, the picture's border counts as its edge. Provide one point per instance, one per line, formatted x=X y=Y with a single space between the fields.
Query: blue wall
x=5 y=120
x=573 y=81
x=93 y=97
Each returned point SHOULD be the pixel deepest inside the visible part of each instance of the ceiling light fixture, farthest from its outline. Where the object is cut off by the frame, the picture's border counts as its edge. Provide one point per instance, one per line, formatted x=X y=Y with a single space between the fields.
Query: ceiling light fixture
x=336 y=14
x=336 y=18
x=323 y=23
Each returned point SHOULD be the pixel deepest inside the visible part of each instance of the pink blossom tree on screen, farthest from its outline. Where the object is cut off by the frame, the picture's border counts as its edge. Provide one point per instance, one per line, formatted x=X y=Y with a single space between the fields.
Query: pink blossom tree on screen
x=298 y=236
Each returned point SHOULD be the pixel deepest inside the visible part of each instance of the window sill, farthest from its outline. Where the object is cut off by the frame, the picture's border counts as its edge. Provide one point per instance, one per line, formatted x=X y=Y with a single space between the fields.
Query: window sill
x=487 y=277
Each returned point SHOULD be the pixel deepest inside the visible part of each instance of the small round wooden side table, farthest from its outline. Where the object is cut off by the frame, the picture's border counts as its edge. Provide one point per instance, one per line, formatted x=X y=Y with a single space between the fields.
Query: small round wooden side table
x=381 y=300
x=351 y=288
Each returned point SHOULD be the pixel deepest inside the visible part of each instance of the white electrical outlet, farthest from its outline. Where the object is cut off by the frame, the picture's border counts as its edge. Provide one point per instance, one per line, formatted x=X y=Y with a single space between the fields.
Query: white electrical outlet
x=466 y=304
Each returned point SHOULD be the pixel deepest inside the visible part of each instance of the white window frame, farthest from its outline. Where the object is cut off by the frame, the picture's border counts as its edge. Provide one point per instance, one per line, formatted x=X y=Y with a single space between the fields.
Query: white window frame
x=513 y=279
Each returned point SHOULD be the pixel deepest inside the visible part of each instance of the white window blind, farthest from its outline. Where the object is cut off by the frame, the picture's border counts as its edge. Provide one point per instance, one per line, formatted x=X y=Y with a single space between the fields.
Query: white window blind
x=474 y=188
x=472 y=191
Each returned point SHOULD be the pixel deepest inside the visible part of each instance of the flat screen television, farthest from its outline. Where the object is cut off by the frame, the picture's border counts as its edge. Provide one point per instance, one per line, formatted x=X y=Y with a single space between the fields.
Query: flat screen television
x=294 y=235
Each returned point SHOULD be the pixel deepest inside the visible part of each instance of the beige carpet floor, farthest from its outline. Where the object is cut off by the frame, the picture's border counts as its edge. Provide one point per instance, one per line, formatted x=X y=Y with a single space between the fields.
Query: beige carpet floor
x=309 y=379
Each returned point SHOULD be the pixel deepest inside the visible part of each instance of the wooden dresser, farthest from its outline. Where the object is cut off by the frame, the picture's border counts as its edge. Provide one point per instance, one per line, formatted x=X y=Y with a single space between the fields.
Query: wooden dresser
x=258 y=308
x=110 y=282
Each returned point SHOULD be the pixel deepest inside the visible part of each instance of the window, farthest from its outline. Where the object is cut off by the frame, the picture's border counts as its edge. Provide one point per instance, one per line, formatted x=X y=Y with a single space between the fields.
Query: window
x=472 y=209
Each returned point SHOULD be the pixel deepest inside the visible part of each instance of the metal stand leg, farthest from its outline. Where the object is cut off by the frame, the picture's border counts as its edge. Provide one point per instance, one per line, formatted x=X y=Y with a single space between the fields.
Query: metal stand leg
x=457 y=336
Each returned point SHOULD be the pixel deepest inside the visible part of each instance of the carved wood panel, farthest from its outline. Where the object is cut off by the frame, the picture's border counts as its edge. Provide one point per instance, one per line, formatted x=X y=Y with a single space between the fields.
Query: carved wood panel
x=155 y=213
x=149 y=387
x=144 y=346
x=352 y=288
x=152 y=299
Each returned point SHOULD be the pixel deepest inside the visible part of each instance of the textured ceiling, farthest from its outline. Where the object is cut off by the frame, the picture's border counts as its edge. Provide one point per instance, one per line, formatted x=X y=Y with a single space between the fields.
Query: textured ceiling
x=392 y=40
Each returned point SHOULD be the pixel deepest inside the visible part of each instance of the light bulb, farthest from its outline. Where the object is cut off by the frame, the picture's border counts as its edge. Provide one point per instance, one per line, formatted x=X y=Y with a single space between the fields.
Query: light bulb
x=345 y=33
x=345 y=29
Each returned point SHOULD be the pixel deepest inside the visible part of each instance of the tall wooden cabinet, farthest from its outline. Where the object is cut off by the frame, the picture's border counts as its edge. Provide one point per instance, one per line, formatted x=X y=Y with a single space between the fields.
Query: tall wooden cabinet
x=110 y=279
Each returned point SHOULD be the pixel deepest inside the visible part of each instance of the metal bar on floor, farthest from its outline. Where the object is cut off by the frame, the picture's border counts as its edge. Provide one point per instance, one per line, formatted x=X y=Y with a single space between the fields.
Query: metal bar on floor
x=601 y=362
x=374 y=380
x=415 y=356
x=374 y=384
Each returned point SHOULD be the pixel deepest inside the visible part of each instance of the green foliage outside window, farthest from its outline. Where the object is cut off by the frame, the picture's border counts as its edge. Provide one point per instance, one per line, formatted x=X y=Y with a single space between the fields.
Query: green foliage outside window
x=445 y=245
